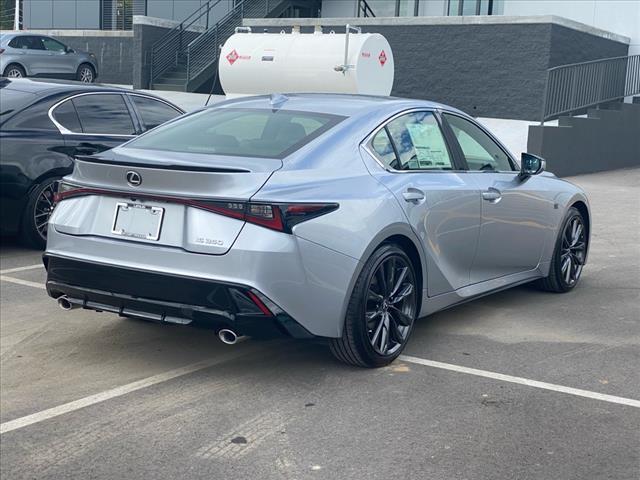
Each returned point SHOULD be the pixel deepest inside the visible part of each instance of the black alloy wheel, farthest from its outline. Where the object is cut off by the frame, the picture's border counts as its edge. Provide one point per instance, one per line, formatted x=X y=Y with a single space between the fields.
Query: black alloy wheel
x=382 y=310
x=35 y=220
x=569 y=256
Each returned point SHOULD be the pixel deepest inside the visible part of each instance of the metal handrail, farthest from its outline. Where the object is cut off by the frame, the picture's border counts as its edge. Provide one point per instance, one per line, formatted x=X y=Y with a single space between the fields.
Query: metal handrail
x=365 y=9
x=199 y=52
x=577 y=86
x=165 y=53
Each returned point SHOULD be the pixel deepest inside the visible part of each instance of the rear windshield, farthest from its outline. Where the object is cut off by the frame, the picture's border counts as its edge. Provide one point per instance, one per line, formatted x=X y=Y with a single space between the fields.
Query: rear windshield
x=12 y=101
x=239 y=132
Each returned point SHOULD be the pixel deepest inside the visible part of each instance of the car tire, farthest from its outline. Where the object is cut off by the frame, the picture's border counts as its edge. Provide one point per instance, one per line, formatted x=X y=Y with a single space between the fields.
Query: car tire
x=568 y=256
x=86 y=73
x=14 y=71
x=33 y=228
x=375 y=315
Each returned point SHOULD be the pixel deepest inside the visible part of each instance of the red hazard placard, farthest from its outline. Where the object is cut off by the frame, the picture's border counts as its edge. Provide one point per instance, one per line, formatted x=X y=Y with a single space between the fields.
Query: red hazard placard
x=382 y=58
x=233 y=56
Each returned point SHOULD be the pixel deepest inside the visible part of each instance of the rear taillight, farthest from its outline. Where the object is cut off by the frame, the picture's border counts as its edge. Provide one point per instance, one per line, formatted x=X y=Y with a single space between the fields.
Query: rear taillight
x=276 y=216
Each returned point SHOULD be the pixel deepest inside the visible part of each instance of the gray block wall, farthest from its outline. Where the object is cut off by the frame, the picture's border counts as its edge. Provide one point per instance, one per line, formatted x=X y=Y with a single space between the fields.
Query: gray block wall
x=489 y=70
x=114 y=53
x=606 y=139
x=144 y=36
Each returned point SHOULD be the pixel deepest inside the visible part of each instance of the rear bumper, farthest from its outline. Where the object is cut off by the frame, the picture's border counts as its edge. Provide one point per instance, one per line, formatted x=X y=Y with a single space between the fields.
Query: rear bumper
x=309 y=282
x=165 y=298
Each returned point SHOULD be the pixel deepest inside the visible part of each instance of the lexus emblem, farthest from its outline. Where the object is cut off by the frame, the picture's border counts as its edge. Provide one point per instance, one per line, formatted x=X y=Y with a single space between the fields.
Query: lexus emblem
x=133 y=178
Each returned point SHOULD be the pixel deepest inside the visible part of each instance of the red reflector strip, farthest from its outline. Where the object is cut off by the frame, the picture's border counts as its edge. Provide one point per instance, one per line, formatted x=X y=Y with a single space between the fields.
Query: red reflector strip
x=263 y=308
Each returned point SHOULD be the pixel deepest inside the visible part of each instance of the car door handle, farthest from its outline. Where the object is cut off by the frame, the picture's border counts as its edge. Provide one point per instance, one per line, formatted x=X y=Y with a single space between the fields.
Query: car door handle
x=492 y=195
x=413 y=195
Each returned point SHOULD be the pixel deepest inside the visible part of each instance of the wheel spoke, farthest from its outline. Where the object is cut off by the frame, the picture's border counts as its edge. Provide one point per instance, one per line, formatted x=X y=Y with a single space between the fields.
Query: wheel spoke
x=398 y=283
x=372 y=314
x=402 y=318
x=391 y=273
x=376 y=334
x=384 y=335
x=578 y=246
x=376 y=297
x=404 y=293
x=382 y=281
x=396 y=334
x=567 y=269
x=576 y=236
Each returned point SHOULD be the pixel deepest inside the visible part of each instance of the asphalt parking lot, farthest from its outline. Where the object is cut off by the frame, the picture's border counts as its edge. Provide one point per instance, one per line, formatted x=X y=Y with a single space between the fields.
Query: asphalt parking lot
x=519 y=385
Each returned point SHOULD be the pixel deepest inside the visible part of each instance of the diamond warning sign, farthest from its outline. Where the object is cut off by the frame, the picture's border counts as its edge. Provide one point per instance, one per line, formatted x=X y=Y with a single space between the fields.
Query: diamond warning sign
x=382 y=58
x=233 y=56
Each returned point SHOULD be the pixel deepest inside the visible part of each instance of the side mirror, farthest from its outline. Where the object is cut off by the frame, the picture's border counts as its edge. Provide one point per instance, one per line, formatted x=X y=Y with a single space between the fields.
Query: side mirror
x=69 y=50
x=531 y=165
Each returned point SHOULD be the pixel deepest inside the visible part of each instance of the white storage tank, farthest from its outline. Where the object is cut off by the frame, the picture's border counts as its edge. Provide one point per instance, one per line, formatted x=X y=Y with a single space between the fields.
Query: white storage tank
x=264 y=63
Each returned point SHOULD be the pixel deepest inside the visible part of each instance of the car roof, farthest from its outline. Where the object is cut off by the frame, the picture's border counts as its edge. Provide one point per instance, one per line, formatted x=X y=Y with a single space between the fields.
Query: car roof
x=44 y=88
x=331 y=103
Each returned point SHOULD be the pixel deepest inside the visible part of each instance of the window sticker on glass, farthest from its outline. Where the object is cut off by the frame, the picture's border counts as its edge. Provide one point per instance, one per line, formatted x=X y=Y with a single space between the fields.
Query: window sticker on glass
x=430 y=149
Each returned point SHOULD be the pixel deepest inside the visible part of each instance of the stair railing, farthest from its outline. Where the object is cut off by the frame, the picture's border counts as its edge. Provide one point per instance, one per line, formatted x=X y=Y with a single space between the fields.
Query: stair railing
x=166 y=52
x=204 y=50
x=364 y=9
x=575 y=87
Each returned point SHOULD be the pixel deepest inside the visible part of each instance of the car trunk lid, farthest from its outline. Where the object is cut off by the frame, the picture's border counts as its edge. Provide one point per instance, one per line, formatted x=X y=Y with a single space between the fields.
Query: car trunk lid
x=123 y=190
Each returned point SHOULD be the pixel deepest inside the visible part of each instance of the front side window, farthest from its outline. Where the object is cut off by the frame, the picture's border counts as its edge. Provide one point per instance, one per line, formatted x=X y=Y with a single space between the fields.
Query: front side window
x=153 y=112
x=239 y=132
x=413 y=142
x=53 y=45
x=104 y=114
x=478 y=148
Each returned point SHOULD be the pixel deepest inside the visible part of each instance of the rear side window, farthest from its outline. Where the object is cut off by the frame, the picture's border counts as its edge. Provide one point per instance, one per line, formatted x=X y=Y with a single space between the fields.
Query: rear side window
x=104 y=114
x=239 y=132
x=27 y=42
x=412 y=142
x=67 y=116
x=153 y=112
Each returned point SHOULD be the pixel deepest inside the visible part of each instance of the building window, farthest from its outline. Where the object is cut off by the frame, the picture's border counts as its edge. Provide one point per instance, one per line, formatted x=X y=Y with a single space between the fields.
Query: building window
x=470 y=7
x=388 y=8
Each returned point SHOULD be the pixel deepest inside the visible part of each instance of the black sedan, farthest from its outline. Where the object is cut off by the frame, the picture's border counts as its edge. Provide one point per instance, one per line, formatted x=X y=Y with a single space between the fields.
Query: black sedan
x=43 y=125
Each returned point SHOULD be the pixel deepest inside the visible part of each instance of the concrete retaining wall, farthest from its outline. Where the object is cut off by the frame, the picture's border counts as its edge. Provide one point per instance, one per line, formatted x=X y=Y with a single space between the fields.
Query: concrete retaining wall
x=603 y=140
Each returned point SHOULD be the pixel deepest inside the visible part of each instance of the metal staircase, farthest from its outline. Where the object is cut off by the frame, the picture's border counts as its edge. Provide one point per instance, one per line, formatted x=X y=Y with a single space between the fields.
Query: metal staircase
x=186 y=57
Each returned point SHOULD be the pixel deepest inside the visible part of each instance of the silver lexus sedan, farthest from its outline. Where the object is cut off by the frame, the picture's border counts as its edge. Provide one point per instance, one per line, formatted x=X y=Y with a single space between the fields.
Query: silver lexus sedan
x=311 y=215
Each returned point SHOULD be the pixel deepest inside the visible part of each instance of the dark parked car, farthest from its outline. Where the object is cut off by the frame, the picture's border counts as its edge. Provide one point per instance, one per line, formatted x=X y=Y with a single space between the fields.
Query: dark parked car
x=43 y=125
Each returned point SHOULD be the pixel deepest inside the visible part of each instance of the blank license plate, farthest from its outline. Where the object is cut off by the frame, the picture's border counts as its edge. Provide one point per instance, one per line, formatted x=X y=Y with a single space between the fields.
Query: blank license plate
x=137 y=221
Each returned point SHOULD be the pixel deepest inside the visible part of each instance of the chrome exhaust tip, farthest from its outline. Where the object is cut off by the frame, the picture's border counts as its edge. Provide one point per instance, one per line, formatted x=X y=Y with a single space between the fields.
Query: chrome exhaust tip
x=65 y=304
x=228 y=337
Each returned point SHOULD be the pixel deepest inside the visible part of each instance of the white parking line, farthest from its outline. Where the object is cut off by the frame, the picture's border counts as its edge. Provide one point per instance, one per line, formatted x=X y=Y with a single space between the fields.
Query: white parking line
x=21 y=269
x=117 y=392
x=19 y=281
x=523 y=381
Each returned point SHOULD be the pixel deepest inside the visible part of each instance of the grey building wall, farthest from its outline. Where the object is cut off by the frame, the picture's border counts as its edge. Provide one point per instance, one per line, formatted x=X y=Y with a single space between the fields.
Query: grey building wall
x=495 y=69
x=606 y=139
x=76 y=14
x=144 y=36
x=114 y=53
